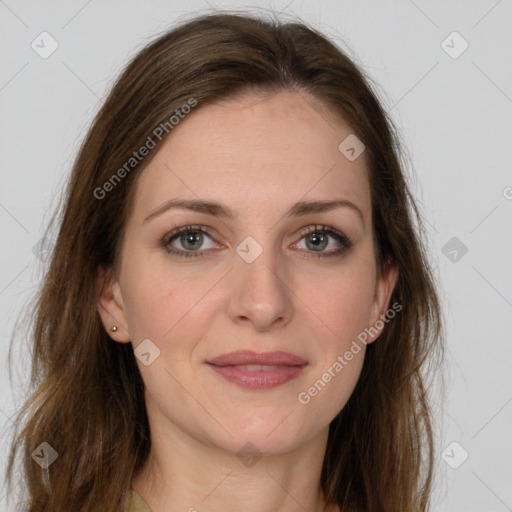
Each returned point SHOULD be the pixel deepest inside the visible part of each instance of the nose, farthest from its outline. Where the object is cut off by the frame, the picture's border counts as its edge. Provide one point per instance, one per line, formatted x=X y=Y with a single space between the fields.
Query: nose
x=260 y=292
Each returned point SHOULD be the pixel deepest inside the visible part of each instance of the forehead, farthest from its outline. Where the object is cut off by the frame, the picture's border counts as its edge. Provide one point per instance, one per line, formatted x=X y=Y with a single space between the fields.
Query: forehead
x=255 y=151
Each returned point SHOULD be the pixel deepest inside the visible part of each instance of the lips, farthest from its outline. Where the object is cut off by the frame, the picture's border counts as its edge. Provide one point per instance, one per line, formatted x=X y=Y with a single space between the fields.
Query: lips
x=248 y=357
x=258 y=371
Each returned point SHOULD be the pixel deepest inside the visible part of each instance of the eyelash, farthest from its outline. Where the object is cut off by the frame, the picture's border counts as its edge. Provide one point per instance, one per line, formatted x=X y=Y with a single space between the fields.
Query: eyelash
x=340 y=237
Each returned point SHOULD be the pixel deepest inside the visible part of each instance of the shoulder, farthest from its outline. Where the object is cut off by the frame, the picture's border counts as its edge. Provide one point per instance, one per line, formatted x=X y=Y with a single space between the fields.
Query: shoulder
x=136 y=503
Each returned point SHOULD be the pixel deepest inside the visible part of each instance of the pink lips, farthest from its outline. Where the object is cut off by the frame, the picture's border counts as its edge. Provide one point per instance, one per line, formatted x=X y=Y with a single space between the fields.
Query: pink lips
x=254 y=370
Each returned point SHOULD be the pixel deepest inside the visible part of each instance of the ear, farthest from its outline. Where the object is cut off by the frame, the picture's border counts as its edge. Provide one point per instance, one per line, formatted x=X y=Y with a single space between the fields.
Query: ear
x=111 y=306
x=385 y=285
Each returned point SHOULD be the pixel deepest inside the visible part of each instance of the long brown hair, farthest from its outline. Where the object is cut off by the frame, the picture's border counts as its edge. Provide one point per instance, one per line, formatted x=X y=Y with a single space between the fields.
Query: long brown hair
x=86 y=398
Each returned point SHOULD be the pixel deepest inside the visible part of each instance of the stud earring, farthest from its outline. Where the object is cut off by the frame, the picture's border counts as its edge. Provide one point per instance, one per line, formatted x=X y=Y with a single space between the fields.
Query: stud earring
x=114 y=328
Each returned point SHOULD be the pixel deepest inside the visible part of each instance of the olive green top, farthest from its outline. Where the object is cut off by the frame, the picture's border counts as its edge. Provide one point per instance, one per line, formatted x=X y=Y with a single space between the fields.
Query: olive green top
x=136 y=503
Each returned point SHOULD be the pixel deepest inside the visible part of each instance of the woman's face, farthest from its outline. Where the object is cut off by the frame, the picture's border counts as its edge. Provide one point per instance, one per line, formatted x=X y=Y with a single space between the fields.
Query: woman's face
x=254 y=280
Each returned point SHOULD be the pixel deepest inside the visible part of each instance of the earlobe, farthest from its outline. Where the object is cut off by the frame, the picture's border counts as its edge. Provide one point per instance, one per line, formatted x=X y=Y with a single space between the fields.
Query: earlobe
x=111 y=307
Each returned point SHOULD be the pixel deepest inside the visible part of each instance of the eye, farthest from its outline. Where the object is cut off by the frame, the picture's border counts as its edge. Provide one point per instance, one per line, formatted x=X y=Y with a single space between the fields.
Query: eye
x=317 y=239
x=191 y=239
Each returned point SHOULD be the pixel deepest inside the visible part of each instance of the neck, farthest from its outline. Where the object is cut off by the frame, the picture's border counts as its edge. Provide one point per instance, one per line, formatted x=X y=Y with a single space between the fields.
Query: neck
x=184 y=473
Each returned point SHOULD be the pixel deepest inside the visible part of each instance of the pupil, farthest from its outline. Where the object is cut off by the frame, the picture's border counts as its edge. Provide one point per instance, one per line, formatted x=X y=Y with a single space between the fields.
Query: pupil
x=317 y=239
x=193 y=239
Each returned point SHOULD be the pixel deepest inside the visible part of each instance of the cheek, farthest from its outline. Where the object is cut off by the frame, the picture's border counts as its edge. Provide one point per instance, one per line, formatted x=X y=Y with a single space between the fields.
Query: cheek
x=147 y=291
x=331 y=385
x=343 y=302
x=148 y=309
x=346 y=378
x=166 y=307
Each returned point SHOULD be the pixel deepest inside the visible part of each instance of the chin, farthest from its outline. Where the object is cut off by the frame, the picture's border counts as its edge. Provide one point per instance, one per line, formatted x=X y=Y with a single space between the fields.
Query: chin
x=271 y=434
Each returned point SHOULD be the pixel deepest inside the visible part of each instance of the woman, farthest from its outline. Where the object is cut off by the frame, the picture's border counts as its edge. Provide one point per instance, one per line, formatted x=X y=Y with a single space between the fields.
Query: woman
x=238 y=308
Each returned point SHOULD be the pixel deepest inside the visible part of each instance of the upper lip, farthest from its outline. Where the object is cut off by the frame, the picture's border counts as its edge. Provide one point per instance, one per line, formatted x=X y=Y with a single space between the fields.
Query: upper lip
x=242 y=357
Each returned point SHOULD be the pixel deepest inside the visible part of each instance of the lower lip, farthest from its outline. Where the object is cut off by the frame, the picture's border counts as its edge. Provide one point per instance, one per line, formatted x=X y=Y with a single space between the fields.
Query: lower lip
x=258 y=379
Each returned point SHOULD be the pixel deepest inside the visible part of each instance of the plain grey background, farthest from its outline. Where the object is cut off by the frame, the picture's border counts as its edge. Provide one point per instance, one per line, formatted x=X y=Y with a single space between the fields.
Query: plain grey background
x=452 y=105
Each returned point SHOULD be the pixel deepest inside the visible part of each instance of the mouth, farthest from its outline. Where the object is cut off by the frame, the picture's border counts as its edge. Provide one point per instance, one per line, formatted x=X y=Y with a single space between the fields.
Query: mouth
x=258 y=371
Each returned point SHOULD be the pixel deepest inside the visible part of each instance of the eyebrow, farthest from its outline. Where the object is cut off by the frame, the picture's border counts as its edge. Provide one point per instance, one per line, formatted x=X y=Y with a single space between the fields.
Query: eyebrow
x=221 y=210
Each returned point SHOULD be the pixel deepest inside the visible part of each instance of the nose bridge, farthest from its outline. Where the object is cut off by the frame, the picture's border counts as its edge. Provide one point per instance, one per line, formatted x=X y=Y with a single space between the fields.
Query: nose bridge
x=260 y=292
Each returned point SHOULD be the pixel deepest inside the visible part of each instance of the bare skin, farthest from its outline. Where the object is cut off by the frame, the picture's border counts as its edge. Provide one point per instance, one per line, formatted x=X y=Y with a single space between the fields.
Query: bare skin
x=258 y=156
